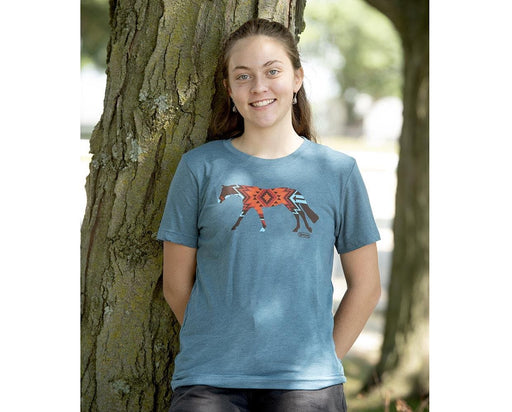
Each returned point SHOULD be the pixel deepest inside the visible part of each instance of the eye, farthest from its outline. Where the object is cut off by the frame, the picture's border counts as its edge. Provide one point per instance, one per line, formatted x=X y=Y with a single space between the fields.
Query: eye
x=242 y=77
x=273 y=72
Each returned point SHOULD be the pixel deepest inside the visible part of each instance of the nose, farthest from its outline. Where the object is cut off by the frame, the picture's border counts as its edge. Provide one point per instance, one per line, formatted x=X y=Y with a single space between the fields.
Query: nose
x=259 y=85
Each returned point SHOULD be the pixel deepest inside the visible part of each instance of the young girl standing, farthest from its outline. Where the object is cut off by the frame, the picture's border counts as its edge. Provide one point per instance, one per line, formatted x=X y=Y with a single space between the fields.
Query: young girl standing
x=249 y=229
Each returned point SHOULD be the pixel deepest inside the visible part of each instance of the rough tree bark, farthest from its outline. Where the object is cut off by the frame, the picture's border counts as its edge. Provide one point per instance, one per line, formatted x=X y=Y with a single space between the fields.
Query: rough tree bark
x=160 y=81
x=403 y=366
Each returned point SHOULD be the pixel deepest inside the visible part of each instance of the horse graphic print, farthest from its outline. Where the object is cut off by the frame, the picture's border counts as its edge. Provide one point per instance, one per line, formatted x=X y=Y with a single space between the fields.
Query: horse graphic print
x=256 y=198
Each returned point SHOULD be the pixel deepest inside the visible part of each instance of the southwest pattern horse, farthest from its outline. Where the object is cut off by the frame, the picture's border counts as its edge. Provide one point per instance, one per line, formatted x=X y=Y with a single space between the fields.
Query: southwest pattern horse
x=256 y=198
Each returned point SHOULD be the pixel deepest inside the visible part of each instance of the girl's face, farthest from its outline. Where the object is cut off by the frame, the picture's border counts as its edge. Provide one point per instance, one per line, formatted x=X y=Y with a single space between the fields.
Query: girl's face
x=261 y=82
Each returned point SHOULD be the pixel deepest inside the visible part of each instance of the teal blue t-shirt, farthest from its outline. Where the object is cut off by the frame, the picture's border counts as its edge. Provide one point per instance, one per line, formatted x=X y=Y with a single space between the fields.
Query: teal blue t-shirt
x=260 y=311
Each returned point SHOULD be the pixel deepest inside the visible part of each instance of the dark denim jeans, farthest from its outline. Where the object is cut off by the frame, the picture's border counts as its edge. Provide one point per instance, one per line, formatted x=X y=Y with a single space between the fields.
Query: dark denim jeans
x=202 y=398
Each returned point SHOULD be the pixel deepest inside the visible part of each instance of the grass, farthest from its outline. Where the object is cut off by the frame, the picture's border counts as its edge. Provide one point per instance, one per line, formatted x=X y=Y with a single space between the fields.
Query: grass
x=400 y=405
x=357 y=369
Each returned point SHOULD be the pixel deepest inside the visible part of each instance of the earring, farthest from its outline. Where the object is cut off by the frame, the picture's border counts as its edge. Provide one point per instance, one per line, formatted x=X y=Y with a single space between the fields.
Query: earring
x=234 y=109
x=294 y=101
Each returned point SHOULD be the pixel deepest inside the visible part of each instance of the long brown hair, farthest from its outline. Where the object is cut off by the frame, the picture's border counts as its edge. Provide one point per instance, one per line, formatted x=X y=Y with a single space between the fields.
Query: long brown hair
x=225 y=123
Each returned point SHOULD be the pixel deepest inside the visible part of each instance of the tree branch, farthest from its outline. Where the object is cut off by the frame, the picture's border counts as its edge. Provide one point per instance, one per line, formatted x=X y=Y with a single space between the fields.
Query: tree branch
x=391 y=9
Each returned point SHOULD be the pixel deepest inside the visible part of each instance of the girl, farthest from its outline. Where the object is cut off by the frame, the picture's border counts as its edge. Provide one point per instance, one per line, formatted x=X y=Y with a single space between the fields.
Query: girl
x=249 y=229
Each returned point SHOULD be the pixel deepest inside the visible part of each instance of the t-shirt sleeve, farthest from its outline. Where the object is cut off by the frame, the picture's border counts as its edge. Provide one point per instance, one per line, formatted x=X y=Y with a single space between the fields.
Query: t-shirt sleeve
x=179 y=221
x=356 y=226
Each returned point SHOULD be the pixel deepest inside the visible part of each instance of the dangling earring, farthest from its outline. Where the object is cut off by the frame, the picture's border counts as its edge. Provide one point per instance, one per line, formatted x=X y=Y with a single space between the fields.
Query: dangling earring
x=234 y=109
x=294 y=101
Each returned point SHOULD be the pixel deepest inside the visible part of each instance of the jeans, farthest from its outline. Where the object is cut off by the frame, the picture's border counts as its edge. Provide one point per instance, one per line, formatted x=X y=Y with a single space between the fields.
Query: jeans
x=202 y=398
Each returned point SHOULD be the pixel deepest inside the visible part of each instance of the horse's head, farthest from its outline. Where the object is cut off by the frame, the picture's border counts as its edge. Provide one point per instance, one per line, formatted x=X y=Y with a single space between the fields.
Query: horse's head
x=226 y=191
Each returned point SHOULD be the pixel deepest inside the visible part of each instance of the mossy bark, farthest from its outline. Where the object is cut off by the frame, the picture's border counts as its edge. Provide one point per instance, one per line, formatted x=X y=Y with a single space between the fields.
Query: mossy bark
x=161 y=65
x=403 y=366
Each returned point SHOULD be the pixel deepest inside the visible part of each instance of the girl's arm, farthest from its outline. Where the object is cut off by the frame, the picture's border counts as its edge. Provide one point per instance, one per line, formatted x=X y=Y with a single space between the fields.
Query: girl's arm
x=179 y=276
x=363 y=292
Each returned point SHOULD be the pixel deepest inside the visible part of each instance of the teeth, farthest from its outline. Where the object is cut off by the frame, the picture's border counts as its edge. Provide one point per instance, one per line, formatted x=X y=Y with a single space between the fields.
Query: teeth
x=262 y=103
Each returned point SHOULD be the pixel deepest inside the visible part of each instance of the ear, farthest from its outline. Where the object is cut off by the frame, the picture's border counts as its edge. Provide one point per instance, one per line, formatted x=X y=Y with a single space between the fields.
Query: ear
x=299 y=78
x=226 y=85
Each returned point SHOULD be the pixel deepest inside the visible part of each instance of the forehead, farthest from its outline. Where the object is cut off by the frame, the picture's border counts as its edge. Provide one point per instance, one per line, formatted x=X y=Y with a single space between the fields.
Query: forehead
x=255 y=51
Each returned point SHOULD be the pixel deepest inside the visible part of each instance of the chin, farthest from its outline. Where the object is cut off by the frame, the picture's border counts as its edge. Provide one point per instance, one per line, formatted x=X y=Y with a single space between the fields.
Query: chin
x=266 y=123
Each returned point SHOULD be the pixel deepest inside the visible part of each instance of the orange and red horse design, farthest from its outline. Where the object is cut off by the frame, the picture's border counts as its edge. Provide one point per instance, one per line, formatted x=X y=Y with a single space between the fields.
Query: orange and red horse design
x=256 y=198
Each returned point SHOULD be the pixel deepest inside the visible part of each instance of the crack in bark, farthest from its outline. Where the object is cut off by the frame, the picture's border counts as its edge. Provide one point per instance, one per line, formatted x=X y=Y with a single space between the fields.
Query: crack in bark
x=290 y=10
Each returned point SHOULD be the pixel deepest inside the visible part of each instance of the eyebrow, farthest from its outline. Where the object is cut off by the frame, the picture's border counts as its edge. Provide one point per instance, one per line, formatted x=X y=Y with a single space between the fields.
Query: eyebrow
x=269 y=63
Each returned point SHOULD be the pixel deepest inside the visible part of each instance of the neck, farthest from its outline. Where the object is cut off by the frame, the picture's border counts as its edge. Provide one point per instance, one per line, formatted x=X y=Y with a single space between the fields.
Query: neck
x=268 y=143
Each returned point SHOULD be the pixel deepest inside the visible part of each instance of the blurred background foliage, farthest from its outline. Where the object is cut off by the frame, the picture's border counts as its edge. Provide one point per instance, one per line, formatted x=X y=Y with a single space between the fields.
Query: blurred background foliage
x=362 y=48
x=94 y=32
x=360 y=42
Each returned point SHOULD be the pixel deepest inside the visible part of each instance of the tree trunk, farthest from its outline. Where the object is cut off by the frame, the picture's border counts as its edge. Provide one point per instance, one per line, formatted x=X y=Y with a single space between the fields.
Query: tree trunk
x=161 y=65
x=403 y=366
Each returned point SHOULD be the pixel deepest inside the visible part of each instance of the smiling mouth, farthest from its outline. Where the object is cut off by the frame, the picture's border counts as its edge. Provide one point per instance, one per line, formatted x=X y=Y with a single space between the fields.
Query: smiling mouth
x=262 y=103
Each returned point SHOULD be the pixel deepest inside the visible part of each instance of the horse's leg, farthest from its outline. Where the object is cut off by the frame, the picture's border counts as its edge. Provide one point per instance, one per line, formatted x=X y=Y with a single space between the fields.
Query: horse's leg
x=262 y=219
x=303 y=215
x=297 y=227
x=244 y=212
x=293 y=209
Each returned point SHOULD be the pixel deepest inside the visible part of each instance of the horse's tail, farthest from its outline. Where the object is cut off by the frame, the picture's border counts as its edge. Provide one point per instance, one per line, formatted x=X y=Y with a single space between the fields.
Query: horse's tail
x=312 y=215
